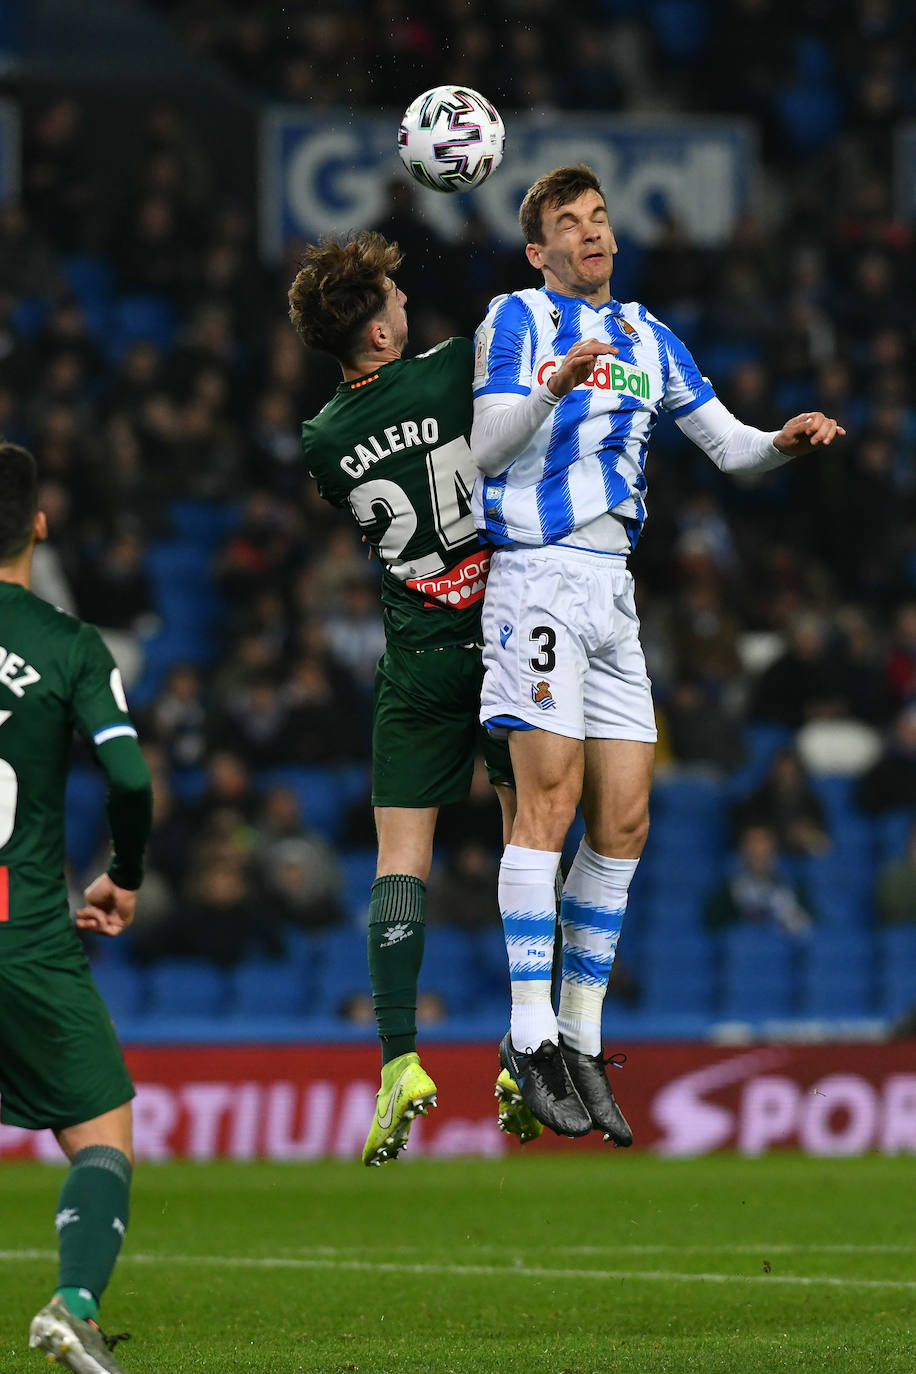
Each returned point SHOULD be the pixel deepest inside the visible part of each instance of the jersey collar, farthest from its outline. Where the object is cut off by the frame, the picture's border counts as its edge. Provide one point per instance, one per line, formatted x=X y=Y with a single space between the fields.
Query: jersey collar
x=613 y=307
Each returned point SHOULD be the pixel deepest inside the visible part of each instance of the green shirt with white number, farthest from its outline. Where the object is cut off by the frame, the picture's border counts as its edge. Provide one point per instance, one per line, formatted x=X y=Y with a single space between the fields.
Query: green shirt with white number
x=56 y=675
x=392 y=448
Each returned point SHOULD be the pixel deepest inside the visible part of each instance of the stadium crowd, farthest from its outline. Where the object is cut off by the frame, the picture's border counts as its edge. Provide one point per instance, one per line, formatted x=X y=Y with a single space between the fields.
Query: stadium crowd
x=148 y=362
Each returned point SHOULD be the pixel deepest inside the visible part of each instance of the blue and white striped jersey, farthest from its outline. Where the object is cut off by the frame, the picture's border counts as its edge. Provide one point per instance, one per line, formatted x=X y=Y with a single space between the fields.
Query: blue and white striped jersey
x=589 y=455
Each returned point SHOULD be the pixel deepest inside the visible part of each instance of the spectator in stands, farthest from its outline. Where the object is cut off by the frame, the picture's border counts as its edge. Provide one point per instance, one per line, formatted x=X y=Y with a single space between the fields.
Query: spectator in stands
x=257 y=726
x=58 y=188
x=222 y=918
x=787 y=805
x=302 y=881
x=895 y=891
x=321 y=709
x=229 y=784
x=462 y=892
x=113 y=590
x=890 y=784
x=901 y=662
x=179 y=717
x=801 y=683
x=701 y=731
x=758 y=891
x=477 y=819
x=354 y=632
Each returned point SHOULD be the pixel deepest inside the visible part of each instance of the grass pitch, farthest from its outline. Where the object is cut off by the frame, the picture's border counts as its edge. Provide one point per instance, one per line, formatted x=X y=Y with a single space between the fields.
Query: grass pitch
x=541 y=1265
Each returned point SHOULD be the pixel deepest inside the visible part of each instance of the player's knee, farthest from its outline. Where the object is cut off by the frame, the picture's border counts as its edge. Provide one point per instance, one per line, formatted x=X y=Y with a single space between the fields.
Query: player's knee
x=624 y=837
x=542 y=822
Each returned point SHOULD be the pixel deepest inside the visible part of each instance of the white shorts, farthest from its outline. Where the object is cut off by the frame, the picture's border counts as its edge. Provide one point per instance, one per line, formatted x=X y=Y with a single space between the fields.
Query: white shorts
x=561 y=646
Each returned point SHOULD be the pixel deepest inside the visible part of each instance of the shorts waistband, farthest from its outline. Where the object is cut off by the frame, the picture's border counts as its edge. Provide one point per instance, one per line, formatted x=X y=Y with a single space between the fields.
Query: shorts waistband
x=566 y=553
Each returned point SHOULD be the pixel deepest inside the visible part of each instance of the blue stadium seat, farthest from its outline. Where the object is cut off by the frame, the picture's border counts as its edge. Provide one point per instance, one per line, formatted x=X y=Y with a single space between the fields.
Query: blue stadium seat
x=688 y=839
x=673 y=906
x=689 y=797
x=761 y=741
x=341 y=968
x=896 y=946
x=681 y=27
x=304 y=950
x=135 y=317
x=828 y=952
x=758 y=948
x=358 y=869
x=892 y=833
x=187 y=987
x=29 y=315
x=321 y=791
x=761 y=994
x=447 y=968
x=679 y=948
x=488 y=967
x=836 y=793
x=85 y=819
x=123 y=988
x=90 y=279
x=897 y=989
x=842 y=995
x=203 y=523
x=179 y=562
x=665 y=988
x=265 y=987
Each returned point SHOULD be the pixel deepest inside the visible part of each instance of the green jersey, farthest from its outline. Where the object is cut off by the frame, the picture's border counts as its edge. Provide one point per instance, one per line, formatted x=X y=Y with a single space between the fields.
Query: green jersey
x=392 y=448
x=57 y=674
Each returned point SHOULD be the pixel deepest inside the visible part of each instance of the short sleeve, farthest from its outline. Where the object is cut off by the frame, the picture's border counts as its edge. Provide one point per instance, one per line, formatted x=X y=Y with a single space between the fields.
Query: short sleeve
x=99 y=704
x=686 y=387
x=505 y=346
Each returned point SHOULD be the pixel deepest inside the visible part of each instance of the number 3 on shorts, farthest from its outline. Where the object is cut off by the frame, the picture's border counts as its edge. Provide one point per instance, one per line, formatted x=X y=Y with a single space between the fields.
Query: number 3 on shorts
x=545 y=660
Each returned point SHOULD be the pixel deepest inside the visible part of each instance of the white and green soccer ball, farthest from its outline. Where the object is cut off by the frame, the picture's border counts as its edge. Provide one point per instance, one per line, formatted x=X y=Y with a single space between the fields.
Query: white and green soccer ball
x=451 y=138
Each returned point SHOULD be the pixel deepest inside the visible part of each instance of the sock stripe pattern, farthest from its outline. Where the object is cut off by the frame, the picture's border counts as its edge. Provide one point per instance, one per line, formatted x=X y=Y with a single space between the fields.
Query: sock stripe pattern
x=529 y=944
x=591 y=915
x=590 y=936
x=396 y=941
x=528 y=907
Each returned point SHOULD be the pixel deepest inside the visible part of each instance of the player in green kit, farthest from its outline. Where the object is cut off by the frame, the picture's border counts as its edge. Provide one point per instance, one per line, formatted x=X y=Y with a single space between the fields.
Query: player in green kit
x=60 y=1063
x=391 y=446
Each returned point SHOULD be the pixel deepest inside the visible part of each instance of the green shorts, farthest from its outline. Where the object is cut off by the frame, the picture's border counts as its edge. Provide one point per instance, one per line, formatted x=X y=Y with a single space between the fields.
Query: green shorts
x=426 y=729
x=60 y=1061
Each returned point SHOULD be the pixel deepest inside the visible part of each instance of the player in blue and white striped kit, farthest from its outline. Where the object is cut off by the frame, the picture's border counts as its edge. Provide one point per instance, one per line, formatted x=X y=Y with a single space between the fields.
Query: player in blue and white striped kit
x=568 y=386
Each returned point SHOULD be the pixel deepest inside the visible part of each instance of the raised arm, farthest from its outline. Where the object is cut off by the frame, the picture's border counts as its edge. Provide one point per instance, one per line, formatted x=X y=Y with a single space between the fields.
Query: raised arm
x=736 y=447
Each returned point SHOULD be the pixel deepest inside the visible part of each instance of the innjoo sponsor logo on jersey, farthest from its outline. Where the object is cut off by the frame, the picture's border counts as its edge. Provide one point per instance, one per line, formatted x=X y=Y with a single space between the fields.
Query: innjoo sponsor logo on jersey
x=462 y=585
x=606 y=377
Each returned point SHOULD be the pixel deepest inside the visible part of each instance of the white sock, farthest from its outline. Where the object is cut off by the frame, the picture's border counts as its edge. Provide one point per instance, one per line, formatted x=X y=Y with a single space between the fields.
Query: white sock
x=527 y=904
x=591 y=914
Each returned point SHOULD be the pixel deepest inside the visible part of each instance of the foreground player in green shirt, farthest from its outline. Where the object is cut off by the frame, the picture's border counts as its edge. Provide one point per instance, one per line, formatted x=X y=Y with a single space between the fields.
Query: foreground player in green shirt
x=391 y=446
x=60 y=1063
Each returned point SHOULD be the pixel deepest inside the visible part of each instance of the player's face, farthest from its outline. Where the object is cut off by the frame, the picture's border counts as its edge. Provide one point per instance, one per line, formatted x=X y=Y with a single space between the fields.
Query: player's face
x=396 y=316
x=577 y=252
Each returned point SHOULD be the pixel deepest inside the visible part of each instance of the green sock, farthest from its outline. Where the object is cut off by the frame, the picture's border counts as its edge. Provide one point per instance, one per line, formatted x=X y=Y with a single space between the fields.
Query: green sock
x=92 y=1215
x=397 y=934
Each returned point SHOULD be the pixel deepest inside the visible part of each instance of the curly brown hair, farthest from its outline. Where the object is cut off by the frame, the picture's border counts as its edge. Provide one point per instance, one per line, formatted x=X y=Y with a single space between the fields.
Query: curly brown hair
x=559 y=187
x=339 y=288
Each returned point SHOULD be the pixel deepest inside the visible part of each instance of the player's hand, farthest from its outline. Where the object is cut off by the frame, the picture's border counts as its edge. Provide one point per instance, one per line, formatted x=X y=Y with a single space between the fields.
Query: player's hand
x=578 y=365
x=109 y=909
x=807 y=432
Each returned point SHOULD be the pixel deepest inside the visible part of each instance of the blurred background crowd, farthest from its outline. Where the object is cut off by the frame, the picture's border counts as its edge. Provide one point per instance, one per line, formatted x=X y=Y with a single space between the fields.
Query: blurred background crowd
x=147 y=360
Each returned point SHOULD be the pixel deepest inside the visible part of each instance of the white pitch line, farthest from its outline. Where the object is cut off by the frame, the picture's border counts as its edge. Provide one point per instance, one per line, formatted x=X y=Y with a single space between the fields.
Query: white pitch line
x=731 y=1249
x=486 y=1270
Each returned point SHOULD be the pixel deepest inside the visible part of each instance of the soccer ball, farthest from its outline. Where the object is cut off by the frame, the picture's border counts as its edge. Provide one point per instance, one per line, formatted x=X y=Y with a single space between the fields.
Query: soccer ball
x=451 y=139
